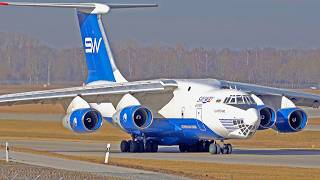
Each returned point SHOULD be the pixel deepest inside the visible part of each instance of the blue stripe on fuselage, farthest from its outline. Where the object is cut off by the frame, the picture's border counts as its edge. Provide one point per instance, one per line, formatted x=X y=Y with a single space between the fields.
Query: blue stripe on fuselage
x=174 y=131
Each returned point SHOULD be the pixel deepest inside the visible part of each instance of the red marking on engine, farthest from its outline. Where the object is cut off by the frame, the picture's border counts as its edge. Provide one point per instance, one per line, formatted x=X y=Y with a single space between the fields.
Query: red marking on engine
x=4 y=4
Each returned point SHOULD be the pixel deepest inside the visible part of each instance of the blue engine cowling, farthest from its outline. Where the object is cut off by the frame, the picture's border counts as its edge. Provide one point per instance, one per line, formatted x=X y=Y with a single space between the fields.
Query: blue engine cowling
x=291 y=120
x=134 y=118
x=267 y=117
x=83 y=120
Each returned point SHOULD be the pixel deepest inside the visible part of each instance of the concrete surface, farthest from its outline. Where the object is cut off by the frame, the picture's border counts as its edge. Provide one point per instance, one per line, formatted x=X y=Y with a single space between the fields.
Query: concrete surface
x=273 y=157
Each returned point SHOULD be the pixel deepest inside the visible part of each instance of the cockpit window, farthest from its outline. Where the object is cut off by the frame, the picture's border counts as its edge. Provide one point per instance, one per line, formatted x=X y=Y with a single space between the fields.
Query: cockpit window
x=248 y=100
x=232 y=100
x=239 y=99
x=253 y=101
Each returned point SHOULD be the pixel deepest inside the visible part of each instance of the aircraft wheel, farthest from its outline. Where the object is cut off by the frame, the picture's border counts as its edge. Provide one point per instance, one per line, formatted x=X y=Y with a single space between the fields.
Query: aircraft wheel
x=229 y=148
x=206 y=146
x=141 y=146
x=134 y=146
x=224 y=149
x=213 y=149
x=218 y=149
x=148 y=146
x=124 y=146
x=201 y=145
x=192 y=148
x=154 y=147
x=183 y=148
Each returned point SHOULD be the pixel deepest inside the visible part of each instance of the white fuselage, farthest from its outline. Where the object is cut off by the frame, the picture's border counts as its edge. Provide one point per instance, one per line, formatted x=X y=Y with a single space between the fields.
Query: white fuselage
x=206 y=103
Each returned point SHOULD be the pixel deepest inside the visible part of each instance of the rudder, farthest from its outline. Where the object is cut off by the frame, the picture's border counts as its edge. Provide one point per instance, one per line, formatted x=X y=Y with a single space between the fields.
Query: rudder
x=95 y=50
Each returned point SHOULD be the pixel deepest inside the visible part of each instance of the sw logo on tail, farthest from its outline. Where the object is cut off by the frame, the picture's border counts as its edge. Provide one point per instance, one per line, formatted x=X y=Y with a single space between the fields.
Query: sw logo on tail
x=92 y=45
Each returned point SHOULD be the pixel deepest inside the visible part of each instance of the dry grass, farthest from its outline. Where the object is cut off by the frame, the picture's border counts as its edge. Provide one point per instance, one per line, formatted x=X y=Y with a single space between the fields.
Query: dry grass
x=34 y=108
x=271 y=139
x=317 y=91
x=54 y=130
x=314 y=121
x=197 y=170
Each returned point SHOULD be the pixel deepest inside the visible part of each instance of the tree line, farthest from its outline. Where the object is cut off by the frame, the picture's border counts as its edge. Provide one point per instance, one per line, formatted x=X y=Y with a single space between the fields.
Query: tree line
x=25 y=60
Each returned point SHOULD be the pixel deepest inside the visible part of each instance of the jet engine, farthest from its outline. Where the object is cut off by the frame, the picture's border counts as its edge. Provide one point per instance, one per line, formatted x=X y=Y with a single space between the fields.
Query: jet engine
x=291 y=120
x=133 y=118
x=83 y=120
x=267 y=117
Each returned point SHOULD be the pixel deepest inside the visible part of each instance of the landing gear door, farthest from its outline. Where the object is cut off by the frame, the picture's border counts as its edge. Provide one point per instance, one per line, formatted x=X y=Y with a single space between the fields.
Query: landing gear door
x=199 y=119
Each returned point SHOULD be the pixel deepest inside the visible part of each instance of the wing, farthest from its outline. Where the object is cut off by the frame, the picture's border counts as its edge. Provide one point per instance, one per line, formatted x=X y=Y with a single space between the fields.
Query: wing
x=275 y=94
x=154 y=94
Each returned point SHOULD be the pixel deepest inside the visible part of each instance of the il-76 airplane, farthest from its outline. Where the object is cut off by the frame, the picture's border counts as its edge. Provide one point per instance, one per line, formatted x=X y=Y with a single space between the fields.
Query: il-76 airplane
x=198 y=115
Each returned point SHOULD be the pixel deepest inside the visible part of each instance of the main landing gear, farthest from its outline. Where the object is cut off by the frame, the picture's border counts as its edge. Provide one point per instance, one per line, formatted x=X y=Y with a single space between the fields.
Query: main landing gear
x=217 y=149
x=136 y=145
x=206 y=146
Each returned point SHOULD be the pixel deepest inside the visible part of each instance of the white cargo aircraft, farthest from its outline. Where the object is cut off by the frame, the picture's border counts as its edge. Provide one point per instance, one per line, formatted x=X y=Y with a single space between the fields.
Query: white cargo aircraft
x=195 y=114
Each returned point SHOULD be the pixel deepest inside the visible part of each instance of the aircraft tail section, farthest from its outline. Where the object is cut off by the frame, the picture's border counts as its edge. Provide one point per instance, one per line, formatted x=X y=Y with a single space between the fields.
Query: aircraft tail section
x=99 y=59
x=100 y=63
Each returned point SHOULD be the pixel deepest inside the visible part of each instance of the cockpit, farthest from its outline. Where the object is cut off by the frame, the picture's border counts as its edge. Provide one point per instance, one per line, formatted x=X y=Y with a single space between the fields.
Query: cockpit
x=239 y=99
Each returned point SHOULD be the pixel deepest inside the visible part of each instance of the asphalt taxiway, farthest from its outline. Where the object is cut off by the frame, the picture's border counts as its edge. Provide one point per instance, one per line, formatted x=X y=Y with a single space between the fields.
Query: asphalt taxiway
x=81 y=166
x=305 y=158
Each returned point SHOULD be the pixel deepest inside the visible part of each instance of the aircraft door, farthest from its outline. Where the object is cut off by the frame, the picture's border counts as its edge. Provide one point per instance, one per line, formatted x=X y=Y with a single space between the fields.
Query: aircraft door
x=199 y=118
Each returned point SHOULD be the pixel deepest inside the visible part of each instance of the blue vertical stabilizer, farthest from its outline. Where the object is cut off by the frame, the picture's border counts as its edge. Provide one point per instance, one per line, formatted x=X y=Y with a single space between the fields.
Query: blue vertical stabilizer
x=95 y=48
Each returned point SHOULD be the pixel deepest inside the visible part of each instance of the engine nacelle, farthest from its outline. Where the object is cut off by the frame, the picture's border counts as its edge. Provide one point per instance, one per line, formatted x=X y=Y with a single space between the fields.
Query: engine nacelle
x=84 y=120
x=291 y=120
x=267 y=117
x=133 y=118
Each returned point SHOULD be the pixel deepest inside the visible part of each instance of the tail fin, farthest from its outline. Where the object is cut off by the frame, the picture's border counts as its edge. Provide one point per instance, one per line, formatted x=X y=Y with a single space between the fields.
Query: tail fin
x=100 y=62
x=99 y=58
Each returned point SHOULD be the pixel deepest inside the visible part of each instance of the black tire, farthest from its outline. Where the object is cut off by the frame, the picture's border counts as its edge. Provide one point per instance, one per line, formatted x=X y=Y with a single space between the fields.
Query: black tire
x=192 y=147
x=124 y=146
x=134 y=146
x=148 y=146
x=218 y=149
x=200 y=145
x=224 y=149
x=213 y=148
x=183 y=148
x=229 y=148
x=129 y=145
x=154 y=146
x=140 y=146
x=206 y=146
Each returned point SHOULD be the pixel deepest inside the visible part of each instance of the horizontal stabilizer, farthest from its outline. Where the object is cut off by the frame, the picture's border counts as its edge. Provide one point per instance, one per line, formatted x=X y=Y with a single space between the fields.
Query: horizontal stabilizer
x=92 y=8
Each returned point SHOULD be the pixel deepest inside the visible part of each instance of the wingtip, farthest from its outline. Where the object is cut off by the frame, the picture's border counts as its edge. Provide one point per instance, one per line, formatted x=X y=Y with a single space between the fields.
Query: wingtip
x=4 y=4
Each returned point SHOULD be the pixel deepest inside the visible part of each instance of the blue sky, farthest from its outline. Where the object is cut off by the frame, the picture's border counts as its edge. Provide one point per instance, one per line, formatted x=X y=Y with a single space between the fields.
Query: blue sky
x=232 y=24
